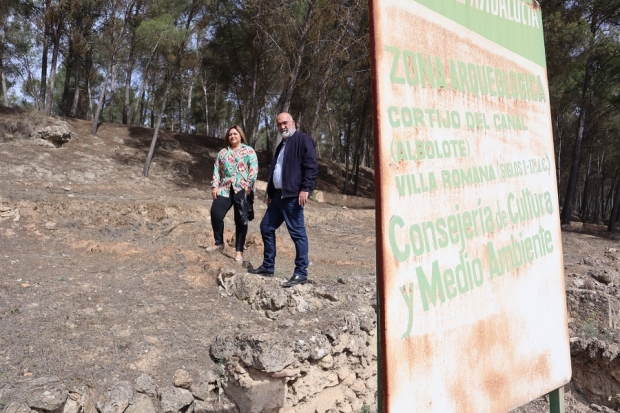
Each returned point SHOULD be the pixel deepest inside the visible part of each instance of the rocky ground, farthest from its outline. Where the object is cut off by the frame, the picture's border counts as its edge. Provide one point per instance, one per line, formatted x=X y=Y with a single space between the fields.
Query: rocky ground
x=109 y=302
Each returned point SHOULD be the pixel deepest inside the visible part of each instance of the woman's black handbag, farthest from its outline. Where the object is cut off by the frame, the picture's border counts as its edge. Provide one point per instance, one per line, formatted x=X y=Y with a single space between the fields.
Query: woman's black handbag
x=245 y=205
x=250 y=205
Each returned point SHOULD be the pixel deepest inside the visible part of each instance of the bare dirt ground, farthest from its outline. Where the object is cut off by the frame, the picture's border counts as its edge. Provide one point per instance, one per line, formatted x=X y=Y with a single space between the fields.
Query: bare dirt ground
x=103 y=273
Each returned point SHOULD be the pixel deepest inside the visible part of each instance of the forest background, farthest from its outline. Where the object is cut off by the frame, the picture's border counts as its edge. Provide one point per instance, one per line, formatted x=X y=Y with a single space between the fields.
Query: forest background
x=198 y=66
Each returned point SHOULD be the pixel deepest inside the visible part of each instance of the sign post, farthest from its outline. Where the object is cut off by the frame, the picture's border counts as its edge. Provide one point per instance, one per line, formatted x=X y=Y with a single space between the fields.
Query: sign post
x=471 y=283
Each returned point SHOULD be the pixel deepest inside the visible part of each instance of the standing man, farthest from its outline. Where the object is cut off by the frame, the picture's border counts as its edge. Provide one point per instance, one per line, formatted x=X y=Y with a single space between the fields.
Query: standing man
x=291 y=180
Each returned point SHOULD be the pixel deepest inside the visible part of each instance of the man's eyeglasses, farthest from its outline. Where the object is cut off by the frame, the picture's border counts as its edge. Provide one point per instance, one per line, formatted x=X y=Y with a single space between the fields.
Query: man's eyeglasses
x=286 y=122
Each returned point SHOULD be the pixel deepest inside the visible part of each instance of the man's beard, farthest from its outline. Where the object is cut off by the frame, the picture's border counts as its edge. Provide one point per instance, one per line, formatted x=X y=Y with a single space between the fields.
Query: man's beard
x=287 y=134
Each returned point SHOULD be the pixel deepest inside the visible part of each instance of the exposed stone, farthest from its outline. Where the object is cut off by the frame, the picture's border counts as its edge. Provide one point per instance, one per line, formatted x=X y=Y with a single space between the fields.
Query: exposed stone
x=118 y=398
x=287 y=373
x=71 y=406
x=17 y=407
x=45 y=393
x=145 y=384
x=174 y=399
x=329 y=399
x=327 y=362
x=322 y=292
x=262 y=351
x=221 y=406
x=602 y=276
x=319 y=347
x=203 y=386
x=257 y=392
x=141 y=403
x=58 y=134
x=182 y=379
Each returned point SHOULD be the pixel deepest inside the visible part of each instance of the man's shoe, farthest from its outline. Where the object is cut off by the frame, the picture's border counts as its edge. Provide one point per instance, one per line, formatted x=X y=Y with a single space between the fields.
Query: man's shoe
x=261 y=271
x=295 y=279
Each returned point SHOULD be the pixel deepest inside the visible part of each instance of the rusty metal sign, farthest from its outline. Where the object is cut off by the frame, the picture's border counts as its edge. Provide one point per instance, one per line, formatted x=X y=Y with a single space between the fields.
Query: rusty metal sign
x=471 y=283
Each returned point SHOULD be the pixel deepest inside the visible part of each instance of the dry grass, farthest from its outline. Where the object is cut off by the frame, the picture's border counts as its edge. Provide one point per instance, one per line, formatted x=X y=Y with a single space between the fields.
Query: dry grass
x=18 y=127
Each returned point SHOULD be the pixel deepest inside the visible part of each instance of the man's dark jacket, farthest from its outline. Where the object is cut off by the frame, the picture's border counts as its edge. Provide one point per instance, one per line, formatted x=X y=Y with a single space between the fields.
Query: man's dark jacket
x=299 y=166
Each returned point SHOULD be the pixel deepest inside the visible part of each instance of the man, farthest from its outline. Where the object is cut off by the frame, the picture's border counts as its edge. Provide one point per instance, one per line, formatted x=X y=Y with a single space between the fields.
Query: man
x=291 y=180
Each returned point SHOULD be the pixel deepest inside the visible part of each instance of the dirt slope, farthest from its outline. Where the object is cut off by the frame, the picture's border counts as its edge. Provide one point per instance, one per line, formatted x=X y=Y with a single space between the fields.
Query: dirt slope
x=103 y=273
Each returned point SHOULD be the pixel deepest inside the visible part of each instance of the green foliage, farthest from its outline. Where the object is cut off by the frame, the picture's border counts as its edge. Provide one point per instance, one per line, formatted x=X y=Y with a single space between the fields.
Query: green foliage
x=589 y=329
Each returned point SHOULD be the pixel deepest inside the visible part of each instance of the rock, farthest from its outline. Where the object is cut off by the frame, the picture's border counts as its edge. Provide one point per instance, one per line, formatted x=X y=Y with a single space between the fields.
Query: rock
x=17 y=407
x=118 y=398
x=257 y=392
x=58 y=134
x=327 y=362
x=343 y=373
x=263 y=351
x=45 y=393
x=141 y=404
x=145 y=384
x=322 y=292
x=367 y=318
x=286 y=373
x=300 y=304
x=359 y=387
x=221 y=406
x=71 y=406
x=328 y=399
x=204 y=385
x=600 y=276
x=182 y=379
x=173 y=399
x=319 y=347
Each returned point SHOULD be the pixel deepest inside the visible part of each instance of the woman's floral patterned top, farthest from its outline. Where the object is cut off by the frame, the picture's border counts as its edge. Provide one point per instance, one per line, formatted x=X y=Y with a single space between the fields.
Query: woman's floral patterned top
x=236 y=167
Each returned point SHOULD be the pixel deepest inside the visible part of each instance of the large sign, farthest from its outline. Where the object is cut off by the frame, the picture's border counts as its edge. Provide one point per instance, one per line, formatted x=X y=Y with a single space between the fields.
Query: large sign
x=471 y=282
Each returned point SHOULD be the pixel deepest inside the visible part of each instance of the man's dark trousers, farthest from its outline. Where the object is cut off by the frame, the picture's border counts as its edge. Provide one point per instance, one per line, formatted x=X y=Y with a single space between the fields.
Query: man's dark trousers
x=285 y=210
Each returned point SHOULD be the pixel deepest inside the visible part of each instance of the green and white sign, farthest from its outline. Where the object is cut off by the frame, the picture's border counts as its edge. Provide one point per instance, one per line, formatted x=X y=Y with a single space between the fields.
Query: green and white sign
x=471 y=278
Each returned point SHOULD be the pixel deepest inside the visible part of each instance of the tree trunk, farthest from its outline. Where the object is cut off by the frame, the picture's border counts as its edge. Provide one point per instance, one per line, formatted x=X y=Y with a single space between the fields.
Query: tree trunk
x=599 y=205
x=42 y=90
x=558 y=153
x=128 y=89
x=204 y=90
x=71 y=65
x=613 y=217
x=50 y=93
x=584 y=210
x=142 y=110
x=333 y=147
x=610 y=193
x=360 y=141
x=190 y=92
x=149 y=157
x=76 y=92
x=270 y=147
x=90 y=99
x=93 y=130
x=299 y=53
x=112 y=95
x=143 y=85
x=252 y=111
x=347 y=140
x=5 y=96
x=571 y=188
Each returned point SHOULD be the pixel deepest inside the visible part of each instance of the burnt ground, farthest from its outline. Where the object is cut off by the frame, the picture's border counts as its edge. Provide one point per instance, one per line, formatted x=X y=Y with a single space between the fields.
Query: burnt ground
x=103 y=273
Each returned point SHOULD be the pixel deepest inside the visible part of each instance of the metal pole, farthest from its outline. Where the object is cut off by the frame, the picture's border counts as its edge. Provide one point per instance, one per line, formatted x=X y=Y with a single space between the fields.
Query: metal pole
x=556 y=401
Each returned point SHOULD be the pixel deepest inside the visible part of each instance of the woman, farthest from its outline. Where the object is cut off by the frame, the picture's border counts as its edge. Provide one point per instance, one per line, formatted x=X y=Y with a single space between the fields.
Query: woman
x=234 y=175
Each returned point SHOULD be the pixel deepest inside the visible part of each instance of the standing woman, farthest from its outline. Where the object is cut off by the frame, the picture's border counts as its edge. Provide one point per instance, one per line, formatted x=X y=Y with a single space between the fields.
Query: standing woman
x=234 y=175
